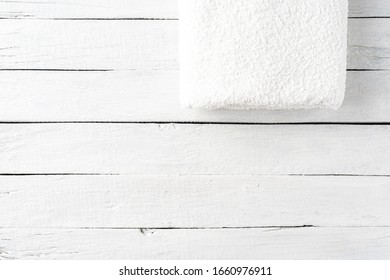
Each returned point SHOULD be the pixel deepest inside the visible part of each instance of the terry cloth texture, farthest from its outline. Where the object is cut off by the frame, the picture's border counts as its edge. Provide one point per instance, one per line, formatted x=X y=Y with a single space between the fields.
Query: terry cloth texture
x=263 y=54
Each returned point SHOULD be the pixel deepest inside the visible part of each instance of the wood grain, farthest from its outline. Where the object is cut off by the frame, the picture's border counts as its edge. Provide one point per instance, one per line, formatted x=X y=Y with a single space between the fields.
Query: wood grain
x=40 y=44
x=368 y=49
x=152 y=149
x=193 y=180
x=95 y=9
x=143 y=44
x=153 y=96
x=106 y=9
x=270 y=243
x=192 y=201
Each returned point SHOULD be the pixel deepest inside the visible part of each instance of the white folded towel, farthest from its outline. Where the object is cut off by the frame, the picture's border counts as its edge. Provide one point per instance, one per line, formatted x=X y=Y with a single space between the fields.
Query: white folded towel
x=263 y=54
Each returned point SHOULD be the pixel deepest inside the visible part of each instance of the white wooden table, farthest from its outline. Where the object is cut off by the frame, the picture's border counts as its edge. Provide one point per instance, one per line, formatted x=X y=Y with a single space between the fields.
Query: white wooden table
x=98 y=160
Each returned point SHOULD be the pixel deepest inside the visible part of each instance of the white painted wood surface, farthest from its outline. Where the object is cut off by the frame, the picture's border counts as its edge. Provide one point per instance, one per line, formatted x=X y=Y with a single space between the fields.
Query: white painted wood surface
x=207 y=185
x=150 y=96
x=193 y=201
x=125 y=9
x=177 y=149
x=143 y=44
x=95 y=9
x=269 y=243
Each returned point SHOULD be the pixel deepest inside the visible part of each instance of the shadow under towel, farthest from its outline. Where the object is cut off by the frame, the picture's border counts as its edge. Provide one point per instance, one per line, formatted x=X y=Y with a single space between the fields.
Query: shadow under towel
x=263 y=54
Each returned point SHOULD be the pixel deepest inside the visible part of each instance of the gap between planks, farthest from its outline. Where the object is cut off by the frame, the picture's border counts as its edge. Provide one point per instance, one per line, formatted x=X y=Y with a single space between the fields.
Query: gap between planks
x=109 y=19
x=197 y=228
x=143 y=19
x=144 y=229
x=198 y=123
x=135 y=69
x=120 y=174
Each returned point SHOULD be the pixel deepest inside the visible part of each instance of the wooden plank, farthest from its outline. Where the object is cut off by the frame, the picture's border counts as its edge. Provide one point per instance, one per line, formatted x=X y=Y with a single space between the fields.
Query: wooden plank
x=369 y=8
x=96 y=9
x=88 y=44
x=82 y=9
x=149 y=96
x=152 y=149
x=363 y=51
x=143 y=44
x=271 y=243
x=192 y=201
